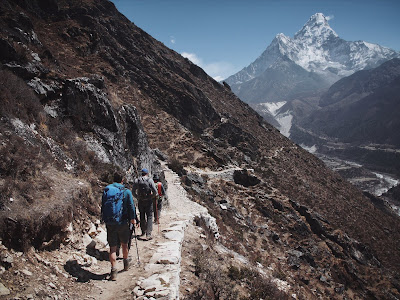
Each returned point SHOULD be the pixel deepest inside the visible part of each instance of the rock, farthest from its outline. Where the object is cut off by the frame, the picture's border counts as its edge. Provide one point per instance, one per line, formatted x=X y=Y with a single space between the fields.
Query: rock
x=138 y=292
x=323 y=279
x=160 y=155
x=101 y=237
x=26 y=272
x=88 y=242
x=44 y=90
x=243 y=177
x=3 y=290
x=223 y=206
x=92 y=230
x=52 y=285
x=29 y=71
x=210 y=223
x=193 y=178
x=158 y=294
x=7 y=260
x=174 y=235
x=150 y=284
x=164 y=279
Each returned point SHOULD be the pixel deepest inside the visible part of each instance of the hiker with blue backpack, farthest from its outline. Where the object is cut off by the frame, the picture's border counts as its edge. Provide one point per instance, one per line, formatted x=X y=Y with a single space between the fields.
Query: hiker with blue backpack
x=145 y=191
x=118 y=212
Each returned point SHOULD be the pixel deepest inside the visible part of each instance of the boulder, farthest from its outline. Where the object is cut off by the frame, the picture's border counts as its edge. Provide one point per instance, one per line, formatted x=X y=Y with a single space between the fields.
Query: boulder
x=243 y=177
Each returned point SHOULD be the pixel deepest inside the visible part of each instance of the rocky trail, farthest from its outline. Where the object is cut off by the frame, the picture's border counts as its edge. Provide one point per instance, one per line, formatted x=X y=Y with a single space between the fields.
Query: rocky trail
x=80 y=269
x=156 y=272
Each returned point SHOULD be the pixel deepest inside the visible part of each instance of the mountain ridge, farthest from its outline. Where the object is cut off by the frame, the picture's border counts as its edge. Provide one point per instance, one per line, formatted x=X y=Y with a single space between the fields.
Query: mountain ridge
x=105 y=89
x=318 y=49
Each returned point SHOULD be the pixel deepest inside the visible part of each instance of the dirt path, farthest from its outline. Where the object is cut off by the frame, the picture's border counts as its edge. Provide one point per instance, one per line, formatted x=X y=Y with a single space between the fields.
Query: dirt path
x=157 y=275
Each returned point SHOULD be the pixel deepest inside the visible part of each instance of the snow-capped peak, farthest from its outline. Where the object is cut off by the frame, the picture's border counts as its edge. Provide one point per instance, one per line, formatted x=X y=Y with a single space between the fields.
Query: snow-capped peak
x=318 y=19
x=318 y=49
x=282 y=38
x=316 y=27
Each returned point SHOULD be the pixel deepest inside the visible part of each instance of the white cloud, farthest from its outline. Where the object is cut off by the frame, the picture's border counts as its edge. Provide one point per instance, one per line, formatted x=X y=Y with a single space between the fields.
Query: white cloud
x=193 y=58
x=217 y=70
x=218 y=78
x=331 y=17
x=172 y=39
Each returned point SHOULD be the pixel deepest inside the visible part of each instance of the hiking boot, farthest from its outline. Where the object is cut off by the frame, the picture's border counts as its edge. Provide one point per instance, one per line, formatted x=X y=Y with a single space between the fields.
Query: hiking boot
x=148 y=237
x=113 y=275
x=126 y=264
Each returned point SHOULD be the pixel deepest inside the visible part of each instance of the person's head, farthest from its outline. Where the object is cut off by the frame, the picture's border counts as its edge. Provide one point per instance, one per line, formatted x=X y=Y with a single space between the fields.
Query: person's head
x=118 y=177
x=145 y=172
x=156 y=178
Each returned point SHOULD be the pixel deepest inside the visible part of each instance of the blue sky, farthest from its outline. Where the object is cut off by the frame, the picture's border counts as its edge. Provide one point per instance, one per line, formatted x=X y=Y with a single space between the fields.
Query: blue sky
x=224 y=36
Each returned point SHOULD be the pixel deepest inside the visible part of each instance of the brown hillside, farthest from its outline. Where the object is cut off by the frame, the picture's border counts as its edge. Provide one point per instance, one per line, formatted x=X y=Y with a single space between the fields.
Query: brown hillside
x=284 y=200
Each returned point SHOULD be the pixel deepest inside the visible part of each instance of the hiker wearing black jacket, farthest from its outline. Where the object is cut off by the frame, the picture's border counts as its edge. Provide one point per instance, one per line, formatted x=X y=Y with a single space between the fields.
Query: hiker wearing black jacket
x=145 y=191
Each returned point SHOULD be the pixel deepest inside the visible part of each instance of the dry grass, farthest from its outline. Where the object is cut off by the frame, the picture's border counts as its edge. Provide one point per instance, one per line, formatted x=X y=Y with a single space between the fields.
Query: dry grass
x=219 y=280
x=17 y=99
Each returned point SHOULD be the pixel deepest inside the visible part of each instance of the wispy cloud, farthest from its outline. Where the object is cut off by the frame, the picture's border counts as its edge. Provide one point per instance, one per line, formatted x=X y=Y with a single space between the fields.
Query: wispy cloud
x=331 y=17
x=193 y=58
x=217 y=70
x=172 y=39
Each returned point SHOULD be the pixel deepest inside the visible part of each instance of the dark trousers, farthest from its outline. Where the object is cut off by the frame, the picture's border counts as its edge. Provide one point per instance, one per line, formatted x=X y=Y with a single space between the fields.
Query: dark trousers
x=146 y=216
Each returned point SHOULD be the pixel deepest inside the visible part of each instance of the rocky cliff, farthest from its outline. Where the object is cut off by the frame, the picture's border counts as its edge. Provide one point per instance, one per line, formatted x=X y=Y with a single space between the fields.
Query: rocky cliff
x=84 y=91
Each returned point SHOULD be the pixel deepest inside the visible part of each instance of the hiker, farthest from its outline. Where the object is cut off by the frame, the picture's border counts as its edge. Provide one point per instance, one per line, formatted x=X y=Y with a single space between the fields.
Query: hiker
x=118 y=212
x=157 y=202
x=146 y=191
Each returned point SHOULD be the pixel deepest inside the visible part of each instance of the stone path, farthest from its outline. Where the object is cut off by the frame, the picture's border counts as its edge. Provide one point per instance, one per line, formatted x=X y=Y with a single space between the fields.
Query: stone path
x=158 y=275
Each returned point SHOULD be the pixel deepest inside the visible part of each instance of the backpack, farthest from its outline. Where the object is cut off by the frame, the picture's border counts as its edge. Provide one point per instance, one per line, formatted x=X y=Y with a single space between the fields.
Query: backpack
x=144 y=190
x=159 y=189
x=112 y=207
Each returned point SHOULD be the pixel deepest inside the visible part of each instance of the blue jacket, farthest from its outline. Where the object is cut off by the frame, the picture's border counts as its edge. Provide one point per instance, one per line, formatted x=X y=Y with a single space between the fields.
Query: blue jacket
x=128 y=210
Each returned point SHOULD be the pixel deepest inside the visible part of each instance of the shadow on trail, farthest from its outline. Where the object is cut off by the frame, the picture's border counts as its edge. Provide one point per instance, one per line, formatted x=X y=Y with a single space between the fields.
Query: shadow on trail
x=82 y=275
x=99 y=255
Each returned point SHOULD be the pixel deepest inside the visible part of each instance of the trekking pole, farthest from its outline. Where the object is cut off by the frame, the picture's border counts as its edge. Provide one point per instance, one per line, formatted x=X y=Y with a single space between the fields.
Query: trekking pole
x=158 y=220
x=137 y=249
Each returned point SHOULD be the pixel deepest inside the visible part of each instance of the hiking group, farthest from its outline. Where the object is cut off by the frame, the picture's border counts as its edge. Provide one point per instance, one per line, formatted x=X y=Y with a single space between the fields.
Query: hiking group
x=118 y=211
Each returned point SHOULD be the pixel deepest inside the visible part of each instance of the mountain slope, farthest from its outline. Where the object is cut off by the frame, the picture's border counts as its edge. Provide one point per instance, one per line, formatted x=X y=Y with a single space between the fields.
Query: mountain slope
x=107 y=94
x=284 y=80
x=359 y=112
x=362 y=108
x=304 y=67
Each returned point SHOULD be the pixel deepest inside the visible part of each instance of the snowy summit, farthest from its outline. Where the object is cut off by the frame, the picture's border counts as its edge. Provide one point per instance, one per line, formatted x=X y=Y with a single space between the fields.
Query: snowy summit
x=317 y=48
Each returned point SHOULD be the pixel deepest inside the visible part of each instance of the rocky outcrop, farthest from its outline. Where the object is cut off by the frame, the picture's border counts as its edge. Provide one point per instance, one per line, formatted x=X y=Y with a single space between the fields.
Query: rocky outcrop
x=244 y=178
x=117 y=135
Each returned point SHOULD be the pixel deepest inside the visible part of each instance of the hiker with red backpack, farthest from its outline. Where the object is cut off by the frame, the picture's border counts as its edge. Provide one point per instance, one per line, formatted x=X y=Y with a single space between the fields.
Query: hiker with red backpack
x=118 y=212
x=157 y=202
x=145 y=191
